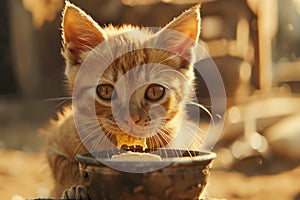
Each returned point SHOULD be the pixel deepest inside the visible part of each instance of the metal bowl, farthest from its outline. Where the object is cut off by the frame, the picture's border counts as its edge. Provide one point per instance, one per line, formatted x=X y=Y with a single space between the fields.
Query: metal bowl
x=182 y=177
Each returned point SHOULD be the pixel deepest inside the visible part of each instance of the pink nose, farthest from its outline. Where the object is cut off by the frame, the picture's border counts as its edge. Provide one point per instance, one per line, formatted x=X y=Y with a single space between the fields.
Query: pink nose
x=134 y=120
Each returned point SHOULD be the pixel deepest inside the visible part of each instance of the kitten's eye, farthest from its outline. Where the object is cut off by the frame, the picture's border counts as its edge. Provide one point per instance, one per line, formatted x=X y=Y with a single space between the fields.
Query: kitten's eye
x=105 y=92
x=155 y=92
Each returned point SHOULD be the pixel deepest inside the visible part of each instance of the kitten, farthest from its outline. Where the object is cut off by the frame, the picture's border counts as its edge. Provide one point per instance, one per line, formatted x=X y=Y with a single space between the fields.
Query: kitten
x=81 y=34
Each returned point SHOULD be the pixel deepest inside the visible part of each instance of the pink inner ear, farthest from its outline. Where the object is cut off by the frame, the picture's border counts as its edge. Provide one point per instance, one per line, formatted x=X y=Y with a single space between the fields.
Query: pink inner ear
x=183 y=48
x=80 y=30
x=175 y=42
x=180 y=35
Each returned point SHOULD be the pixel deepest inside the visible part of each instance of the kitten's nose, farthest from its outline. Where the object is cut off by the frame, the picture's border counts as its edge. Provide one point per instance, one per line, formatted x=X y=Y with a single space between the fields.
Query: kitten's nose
x=134 y=120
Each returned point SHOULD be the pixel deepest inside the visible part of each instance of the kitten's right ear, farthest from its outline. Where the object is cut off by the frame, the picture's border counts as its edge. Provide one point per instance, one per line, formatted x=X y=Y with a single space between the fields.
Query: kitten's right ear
x=80 y=33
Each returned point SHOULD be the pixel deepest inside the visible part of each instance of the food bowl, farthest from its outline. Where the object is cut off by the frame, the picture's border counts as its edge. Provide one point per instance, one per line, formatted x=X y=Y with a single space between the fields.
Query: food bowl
x=172 y=178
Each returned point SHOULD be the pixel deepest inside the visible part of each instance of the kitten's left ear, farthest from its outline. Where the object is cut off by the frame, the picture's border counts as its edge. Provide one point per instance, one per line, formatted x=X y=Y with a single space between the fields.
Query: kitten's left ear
x=80 y=33
x=184 y=33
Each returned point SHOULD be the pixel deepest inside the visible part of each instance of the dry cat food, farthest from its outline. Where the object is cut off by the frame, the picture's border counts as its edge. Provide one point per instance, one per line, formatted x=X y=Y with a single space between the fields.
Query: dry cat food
x=130 y=141
x=135 y=153
x=136 y=156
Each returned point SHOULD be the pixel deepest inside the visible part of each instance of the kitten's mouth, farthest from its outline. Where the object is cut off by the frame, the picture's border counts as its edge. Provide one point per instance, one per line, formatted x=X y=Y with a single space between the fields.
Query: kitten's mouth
x=128 y=140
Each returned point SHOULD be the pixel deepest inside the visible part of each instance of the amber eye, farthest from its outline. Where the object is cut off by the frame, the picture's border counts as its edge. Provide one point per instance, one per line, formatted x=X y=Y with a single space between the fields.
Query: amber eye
x=155 y=92
x=105 y=91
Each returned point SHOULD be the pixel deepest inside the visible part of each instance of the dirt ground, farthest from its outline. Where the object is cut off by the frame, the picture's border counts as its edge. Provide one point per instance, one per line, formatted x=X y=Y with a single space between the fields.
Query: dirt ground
x=25 y=176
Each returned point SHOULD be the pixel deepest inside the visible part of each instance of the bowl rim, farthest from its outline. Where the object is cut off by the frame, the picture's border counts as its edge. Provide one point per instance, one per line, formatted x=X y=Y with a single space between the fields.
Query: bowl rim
x=88 y=159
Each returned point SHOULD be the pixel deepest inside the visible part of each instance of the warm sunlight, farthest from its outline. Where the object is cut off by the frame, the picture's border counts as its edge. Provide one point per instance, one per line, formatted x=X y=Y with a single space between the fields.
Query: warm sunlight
x=150 y=99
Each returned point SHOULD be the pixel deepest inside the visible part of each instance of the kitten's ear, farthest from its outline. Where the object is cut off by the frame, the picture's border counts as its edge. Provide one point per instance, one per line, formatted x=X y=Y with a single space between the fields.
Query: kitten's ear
x=80 y=33
x=184 y=33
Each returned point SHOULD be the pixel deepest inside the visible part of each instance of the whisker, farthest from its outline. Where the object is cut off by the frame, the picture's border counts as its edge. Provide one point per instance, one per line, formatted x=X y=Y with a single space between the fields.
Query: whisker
x=90 y=127
x=87 y=120
x=155 y=141
x=57 y=99
x=196 y=137
x=97 y=138
x=161 y=137
x=166 y=137
x=186 y=123
x=204 y=109
x=175 y=151
x=102 y=141
x=180 y=146
x=90 y=137
x=76 y=151
x=151 y=142
x=55 y=108
x=81 y=124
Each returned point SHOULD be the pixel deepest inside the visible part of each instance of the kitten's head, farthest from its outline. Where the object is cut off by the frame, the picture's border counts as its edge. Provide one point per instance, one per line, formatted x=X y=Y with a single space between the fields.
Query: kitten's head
x=143 y=92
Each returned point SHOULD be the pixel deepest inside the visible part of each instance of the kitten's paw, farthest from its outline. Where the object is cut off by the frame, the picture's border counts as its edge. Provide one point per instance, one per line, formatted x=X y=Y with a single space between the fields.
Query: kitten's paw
x=76 y=193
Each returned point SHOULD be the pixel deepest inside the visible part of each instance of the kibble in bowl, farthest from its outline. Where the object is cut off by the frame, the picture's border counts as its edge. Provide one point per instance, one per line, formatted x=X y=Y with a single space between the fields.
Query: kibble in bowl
x=176 y=177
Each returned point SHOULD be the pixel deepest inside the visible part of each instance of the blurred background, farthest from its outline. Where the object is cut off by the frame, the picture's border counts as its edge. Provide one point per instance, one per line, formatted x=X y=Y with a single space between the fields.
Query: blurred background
x=254 y=43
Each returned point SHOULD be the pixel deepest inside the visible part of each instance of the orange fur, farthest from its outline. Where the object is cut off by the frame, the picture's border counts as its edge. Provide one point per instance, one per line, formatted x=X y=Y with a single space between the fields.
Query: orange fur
x=80 y=35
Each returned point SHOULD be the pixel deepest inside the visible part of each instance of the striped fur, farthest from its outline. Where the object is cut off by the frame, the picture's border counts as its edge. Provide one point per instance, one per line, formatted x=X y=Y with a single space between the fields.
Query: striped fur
x=80 y=35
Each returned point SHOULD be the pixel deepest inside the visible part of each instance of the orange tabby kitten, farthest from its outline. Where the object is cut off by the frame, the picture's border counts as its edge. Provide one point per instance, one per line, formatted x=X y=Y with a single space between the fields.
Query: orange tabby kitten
x=81 y=34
